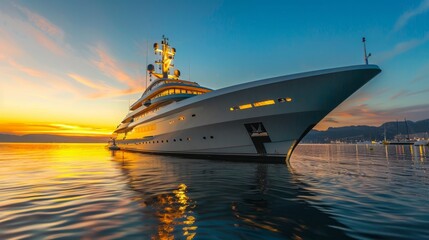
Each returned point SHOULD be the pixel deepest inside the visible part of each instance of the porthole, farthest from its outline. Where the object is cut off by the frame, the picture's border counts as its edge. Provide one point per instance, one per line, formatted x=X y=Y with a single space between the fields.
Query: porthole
x=189 y=139
x=211 y=137
x=193 y=115
x=174 y=140
x=166 y=140
x=204 y=137
x=180 y=139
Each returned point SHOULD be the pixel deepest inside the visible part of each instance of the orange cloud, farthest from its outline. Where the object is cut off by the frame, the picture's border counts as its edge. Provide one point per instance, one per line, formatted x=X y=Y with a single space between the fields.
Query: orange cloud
x=8 y=46
x=110 y=67
x=47 y=43
x=45 y=82
x=42 y=23
x=103 y=90
x=29 y=71
x=87 y=82
x=44 y=36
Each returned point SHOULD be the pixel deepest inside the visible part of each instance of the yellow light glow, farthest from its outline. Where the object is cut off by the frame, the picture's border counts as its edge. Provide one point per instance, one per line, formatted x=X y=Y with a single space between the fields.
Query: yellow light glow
x=245 y=106
x=288 y=99
x=181 y=118
x=231 y=109
x=263 y=103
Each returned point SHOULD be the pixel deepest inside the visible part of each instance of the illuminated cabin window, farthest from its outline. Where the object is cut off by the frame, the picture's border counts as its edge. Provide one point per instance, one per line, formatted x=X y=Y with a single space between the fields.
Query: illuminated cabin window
x=245 y=106
x=181 y=118
x=171 y=122
x=177 y=91
x=287 y=99
x=233 y=108
x=263 y=103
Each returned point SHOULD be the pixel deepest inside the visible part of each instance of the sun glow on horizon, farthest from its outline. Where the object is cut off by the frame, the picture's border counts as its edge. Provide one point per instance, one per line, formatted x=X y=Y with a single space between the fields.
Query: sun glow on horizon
x=55 y=129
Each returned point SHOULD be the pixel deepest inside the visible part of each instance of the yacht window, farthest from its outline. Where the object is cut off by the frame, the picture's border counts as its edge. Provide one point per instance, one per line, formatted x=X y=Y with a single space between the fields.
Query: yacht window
x=263 y=103
x=177 y=91
x=183 y=91
x=245 y=106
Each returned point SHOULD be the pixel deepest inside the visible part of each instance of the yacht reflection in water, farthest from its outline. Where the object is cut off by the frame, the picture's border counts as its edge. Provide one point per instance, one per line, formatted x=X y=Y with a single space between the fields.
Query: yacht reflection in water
x=187 y=198
x=170 y=210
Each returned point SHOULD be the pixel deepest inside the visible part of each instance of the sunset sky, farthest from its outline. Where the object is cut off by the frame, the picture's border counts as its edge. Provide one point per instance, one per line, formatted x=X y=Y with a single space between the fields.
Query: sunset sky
x=73 y=67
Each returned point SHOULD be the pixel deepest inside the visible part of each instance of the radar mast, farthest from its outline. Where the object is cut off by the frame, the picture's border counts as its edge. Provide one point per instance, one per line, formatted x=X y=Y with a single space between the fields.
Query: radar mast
x=167 y=55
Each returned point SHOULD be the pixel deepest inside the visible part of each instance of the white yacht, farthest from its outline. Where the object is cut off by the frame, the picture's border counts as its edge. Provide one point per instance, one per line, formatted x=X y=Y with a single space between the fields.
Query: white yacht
x=261 y=120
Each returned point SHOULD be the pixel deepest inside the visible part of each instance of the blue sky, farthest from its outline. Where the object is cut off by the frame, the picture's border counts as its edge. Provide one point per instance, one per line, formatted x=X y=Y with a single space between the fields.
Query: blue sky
x=60 y=60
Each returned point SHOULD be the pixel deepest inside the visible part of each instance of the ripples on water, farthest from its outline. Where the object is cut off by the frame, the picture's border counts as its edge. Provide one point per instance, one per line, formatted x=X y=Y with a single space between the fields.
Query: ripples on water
x=328 y=191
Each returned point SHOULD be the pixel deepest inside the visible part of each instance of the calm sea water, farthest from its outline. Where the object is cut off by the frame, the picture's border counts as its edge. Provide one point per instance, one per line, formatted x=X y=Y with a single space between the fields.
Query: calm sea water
x=73 y=191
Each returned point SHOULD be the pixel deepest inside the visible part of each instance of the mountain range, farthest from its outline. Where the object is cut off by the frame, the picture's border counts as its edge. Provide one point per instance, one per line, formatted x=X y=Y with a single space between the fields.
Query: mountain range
x=367 y=133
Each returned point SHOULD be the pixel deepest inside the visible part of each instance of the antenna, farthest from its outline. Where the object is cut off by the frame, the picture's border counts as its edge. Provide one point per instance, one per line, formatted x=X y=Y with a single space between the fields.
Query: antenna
x=406 y=128
x=147 y=53
x=366 y=56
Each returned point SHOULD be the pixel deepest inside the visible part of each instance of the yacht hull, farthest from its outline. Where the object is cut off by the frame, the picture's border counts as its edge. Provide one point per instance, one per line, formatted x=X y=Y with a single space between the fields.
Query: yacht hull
x=258 y=121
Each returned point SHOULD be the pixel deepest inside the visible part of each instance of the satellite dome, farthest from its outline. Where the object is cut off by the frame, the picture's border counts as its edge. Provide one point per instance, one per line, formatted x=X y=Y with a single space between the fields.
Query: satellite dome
x=177 y=73
x=150 y=68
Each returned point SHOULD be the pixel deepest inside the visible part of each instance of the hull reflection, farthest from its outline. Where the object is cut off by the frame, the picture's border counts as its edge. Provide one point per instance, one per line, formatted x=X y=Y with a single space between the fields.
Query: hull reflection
x=194 y=198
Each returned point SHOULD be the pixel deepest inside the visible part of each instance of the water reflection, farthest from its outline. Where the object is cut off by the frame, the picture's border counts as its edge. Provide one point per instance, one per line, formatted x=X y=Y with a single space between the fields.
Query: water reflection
x=171 y=208
x=378 y=191
x=206 y=199
x=83 y=191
